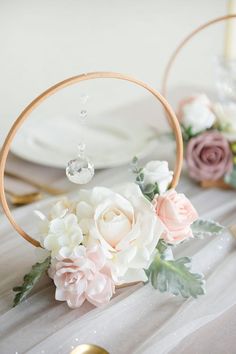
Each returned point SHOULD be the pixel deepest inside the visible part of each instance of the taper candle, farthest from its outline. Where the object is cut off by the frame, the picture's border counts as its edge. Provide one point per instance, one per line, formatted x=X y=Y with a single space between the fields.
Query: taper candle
x=230 y=33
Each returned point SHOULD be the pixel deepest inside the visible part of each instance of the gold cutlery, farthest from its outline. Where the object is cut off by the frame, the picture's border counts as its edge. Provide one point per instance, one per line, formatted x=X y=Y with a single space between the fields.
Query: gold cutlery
x=22 y=199
x=89 y=349
x=43 y=187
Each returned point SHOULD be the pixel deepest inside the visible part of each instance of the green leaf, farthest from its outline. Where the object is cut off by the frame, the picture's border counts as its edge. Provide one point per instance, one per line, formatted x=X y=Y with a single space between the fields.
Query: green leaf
x=140 y=177
x=134 y=160
x=175 y=277
x=162 y=246
x=205 y=227
x=30 y=280
x=231 y=178
x=134 y=166
x=187 y=133
x=149 y=188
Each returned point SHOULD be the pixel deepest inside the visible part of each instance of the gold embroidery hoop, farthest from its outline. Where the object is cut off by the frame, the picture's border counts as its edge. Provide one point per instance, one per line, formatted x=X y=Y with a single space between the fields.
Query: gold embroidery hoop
x=52 y=90
x=183 y=43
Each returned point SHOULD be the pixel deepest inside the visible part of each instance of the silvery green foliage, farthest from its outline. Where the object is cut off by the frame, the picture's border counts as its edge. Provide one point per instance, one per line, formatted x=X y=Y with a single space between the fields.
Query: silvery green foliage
x=150 y=190
x=175 y=276
x=231 y=178
x=206 y=227
x=187 y=133
x=30 y=280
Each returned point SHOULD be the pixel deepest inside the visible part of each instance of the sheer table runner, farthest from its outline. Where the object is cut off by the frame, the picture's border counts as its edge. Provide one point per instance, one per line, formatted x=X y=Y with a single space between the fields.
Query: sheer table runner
x=139 y=319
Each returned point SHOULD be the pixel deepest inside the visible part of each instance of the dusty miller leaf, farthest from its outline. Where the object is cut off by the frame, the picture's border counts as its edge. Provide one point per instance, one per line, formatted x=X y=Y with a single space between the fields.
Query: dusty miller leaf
x=231 y=178
x=30 y=280
x=206 y=227
x=175 y=277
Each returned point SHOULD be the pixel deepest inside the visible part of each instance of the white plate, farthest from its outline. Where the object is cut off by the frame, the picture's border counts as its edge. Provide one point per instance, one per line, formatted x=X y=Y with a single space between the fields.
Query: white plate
x=53 y=142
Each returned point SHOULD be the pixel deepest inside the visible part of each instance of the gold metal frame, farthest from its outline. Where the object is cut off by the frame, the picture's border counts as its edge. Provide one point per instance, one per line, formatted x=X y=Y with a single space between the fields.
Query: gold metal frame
x=183 y=43
x=52 y=90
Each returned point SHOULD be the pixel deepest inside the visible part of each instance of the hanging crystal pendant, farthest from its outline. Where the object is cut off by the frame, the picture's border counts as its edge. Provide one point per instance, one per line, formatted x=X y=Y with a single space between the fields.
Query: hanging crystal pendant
x=80 y=170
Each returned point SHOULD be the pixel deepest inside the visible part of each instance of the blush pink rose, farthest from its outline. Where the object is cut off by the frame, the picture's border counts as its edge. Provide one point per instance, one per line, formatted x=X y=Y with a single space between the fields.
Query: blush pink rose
x=208 y=156
x=177 y=214
x=85 y=277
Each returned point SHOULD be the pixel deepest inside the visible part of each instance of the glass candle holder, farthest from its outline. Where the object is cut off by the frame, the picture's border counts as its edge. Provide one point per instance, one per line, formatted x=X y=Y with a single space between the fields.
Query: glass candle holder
x=226 y=80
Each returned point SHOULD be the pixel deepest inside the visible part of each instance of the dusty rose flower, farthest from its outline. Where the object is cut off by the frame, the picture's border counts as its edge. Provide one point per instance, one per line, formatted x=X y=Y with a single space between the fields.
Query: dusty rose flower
x=84 y=277
x=208 y=156
x=177 y=214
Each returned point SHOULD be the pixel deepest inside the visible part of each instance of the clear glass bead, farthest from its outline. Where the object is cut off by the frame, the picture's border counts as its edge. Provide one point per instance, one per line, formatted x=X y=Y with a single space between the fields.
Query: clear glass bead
x=83 y=114
x=80 y=170
x=84 y=98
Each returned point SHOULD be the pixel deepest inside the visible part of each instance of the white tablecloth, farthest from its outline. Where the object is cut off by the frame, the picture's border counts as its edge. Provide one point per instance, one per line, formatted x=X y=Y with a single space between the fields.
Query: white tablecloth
x=139 y=319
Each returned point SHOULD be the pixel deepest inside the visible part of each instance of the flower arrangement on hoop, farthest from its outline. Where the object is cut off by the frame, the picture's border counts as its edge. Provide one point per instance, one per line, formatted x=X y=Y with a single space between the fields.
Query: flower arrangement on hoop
x=105 y=238
x=209 y=128
x=209 y=132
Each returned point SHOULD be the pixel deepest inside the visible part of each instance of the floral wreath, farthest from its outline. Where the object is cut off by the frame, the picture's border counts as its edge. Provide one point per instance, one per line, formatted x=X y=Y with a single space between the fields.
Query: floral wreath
x=209 y=132
x=109 y=237
x=208 y=128
x=105 y=238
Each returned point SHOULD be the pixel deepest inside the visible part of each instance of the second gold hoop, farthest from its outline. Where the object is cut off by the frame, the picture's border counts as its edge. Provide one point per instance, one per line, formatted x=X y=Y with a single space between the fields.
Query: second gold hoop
x=183 y=43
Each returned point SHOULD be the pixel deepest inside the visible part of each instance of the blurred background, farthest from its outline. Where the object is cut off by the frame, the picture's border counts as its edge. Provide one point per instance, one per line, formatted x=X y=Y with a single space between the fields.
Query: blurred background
x=43 y=42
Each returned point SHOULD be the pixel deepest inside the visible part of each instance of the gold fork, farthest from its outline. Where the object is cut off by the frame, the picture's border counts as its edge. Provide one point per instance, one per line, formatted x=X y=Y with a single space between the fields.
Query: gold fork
x=43 y=187
x=23 y=199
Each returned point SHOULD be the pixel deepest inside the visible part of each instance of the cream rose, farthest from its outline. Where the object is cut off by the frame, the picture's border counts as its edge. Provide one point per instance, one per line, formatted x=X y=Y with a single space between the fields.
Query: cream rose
x=157 y=172
x=125 y=224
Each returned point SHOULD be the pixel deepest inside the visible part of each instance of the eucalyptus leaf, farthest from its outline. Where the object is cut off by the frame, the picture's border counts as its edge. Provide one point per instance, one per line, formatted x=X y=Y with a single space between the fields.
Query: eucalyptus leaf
x=135 y=160
x=187 y=133
x=140 y=177
x=175 y=277
x=162 y=246
x=30 y=280
x=206 y=227
x=149 y=188
x=231 y=178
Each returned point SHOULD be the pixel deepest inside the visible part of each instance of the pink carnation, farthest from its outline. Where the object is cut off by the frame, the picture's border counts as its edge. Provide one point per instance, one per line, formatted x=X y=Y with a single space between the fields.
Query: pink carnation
x=177 y=214
x=208 y=156
x=84 y=277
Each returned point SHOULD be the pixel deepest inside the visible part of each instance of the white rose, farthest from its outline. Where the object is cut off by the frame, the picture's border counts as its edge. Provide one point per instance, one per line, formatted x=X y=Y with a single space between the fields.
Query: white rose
x=226 y=117
x=196 y=114
x=124 y=223
x=157 y=172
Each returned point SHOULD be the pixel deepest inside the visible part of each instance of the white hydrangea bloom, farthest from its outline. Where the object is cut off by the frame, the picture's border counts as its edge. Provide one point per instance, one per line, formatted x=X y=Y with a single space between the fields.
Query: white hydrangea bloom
x=64 y=235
